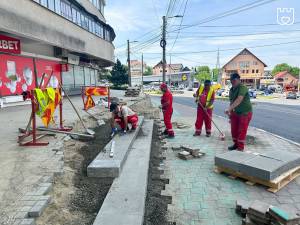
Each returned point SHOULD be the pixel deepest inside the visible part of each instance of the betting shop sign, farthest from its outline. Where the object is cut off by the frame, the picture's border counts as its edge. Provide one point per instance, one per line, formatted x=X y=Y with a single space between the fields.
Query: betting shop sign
x=10 y=45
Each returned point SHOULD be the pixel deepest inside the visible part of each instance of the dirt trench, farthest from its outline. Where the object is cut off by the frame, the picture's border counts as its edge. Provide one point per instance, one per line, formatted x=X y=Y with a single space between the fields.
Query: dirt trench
x=76 y=198
x=156 y=204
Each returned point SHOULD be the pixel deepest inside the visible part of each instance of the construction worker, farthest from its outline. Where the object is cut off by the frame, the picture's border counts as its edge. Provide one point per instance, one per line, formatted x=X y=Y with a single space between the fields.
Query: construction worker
x=167 y=108
x=205 y=97
x=123 y=116
x=239 y=112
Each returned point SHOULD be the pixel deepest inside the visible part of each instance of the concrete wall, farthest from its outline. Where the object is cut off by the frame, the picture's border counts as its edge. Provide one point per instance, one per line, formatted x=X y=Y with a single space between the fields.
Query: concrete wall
x=28 y=19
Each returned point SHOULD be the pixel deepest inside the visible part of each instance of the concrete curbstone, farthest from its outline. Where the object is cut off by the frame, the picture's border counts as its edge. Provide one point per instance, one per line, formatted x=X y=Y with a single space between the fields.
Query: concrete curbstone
x=27 y=222
x=38 y=208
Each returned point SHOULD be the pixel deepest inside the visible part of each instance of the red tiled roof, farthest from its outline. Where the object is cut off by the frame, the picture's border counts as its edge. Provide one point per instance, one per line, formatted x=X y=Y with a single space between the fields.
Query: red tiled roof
x=280 y=74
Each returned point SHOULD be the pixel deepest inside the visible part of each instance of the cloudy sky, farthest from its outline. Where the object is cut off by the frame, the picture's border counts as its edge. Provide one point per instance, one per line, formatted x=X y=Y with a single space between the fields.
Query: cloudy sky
x=207 y=25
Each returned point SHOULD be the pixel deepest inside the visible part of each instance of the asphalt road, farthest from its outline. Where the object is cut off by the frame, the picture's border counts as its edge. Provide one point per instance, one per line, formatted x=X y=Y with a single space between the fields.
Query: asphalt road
x=282 y=120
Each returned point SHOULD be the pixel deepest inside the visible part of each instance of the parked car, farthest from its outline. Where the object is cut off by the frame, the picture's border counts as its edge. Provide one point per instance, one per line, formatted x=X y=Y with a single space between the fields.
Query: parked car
x=291 y=95
x=220 y=91
x=225 y=94
x=252 y=93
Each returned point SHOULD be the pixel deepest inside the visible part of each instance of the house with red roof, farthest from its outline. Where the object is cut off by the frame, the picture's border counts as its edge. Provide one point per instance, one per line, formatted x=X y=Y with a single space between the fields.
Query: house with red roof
x=249 y=66
x=286 y=80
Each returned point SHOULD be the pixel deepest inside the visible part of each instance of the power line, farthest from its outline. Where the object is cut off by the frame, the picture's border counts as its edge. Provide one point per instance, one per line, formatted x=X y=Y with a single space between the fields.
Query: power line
x=241 y=35
x=230 y=12
x=180 y=23
x=236 y=25
x=229 y=49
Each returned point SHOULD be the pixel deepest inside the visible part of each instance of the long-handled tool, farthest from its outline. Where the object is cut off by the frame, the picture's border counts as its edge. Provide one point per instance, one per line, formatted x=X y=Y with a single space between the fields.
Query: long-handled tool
x=222 y=135
x=89 y=131
x=65 y=132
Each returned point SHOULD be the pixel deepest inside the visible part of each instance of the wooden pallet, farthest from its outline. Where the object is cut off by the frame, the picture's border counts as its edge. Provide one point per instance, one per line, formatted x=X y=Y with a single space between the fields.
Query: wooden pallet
x=273 y=185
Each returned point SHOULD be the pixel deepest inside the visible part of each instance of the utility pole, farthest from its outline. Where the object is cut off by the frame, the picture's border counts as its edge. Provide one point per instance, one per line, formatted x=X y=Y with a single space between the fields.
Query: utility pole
x=128 y=61
x=142 y=70
x=218 y=67
x=163 y=44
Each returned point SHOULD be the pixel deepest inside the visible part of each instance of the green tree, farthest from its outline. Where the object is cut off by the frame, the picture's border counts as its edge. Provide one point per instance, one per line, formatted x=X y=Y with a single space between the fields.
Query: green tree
x=104 y=74
x=119 y=74
x=202 y=73
x=285 y=67
x=216 y=74
x=148 y=71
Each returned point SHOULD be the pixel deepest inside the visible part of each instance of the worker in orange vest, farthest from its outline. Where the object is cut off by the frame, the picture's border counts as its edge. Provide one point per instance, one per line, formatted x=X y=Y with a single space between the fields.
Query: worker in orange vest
x=205 y=97
x=167 y=108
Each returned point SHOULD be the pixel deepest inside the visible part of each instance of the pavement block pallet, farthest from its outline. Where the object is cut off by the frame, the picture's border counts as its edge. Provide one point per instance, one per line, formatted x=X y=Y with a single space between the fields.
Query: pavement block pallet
x=104 y=165
x=274 y=185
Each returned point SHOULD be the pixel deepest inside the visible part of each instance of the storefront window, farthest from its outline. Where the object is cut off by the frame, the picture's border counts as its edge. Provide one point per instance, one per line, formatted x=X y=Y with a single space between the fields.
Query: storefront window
x=68 y=78
x=87 y=76
x=79 y=76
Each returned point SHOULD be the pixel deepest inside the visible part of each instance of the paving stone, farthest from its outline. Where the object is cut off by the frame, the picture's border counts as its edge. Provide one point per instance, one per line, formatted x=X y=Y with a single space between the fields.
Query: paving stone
x=266 y=166
x=38 y=208
x=21 y=215
x=284 y=200
x=27 y=222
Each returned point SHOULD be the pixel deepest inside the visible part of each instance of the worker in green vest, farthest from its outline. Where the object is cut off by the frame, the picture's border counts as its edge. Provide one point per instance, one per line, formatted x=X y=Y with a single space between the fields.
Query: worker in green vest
x=205 y=97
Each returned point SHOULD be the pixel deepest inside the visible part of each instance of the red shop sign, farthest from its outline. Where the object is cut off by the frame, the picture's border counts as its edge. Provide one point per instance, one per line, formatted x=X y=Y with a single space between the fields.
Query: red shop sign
x=10 y=45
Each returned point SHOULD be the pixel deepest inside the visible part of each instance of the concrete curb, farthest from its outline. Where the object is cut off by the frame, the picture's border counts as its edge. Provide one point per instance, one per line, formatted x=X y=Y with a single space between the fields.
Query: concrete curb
x=125 y=201
x=105 y=166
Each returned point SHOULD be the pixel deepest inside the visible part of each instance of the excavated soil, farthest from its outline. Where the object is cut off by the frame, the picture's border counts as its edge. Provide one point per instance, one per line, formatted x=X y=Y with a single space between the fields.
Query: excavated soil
x=156 y=204
x=76 y=199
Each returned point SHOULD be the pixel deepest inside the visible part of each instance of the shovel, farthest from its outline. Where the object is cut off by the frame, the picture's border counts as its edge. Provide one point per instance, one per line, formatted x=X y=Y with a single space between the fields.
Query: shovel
x=89 y=131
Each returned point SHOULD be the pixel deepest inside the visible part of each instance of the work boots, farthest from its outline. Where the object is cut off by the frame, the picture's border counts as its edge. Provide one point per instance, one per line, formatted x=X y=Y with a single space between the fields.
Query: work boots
x=233 y=147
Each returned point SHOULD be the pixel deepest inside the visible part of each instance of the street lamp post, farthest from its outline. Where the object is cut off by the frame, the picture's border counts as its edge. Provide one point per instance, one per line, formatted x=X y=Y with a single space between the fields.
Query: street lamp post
x=128 y=62
x=163 y=43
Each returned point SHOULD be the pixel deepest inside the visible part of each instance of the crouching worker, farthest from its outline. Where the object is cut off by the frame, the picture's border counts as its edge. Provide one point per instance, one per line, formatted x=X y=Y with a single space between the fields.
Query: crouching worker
x=123 y=115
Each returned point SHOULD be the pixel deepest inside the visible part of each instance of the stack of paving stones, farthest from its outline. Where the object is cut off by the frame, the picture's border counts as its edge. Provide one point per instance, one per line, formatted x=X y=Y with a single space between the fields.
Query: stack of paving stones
x=266 y=166
x=132 y=92
x=34 y=203
x=260 y=213
x=189 y=153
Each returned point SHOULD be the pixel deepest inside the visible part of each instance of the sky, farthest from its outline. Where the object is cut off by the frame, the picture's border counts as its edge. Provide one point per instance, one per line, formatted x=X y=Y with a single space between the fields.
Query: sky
x=206 y=26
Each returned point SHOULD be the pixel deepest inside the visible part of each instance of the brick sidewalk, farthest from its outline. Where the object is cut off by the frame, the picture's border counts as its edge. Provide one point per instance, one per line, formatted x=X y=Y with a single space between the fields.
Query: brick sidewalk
x=201 y=196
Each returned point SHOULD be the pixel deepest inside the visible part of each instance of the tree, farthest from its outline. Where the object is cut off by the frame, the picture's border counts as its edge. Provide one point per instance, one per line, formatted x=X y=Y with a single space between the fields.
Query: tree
x=216 y=72
x=148 y=71
x=119 y=74
x=202 y=73
x=104 y=74
x=285 y=67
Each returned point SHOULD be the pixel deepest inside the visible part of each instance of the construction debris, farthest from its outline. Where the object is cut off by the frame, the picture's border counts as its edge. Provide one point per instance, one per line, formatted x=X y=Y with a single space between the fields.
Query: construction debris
x=132 y=92
x=261 y=213
x=188 y=152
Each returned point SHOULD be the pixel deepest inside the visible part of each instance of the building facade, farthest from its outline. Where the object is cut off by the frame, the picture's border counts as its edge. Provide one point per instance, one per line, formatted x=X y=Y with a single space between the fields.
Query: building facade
x=286 y=80
x=136 y=68
x=170 y=68
x=67 y=40
x=250 y=68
